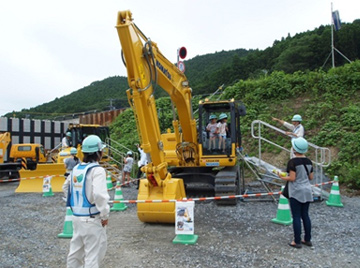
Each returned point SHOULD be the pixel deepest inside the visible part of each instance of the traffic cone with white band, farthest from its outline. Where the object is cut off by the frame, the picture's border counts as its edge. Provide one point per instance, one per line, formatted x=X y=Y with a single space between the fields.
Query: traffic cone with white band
x=283 y=215
x=68 y=225
x=109 y=182
x=335 y=198
x=47 y=189
x=118 y=197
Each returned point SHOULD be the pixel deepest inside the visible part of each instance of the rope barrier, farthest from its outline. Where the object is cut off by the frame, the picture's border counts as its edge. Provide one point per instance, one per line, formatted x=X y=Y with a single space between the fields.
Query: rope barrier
x=10 y=180
x=41 y=177
x=205 y=198
x=195 y=199
x=30 y=178
x=324 y=183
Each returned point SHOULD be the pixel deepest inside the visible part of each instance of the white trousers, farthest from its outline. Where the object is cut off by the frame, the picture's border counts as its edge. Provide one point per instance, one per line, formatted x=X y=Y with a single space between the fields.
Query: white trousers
x=88 y=244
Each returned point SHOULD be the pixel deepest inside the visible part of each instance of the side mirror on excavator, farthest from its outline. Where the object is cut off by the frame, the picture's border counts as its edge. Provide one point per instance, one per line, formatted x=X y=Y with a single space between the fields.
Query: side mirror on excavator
x=242 y=110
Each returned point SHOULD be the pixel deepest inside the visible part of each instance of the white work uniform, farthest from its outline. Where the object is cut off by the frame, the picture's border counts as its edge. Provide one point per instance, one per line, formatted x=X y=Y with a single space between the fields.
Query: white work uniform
x=142 y=161
x=65 y=142
x=298 y=130
x=89 y=242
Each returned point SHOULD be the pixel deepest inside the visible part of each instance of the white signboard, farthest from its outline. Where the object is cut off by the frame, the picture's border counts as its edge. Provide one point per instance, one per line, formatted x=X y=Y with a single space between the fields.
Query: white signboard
x=181 y=66
x=46 y=184
x=184 y=217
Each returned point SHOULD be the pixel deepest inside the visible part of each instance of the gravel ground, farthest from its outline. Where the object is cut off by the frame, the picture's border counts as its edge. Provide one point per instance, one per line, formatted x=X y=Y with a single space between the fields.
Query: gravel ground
x=241 y=236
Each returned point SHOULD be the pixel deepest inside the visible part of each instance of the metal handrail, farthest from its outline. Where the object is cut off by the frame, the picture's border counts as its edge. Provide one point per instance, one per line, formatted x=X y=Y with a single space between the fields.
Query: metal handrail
x=325 y=154
x=121 y=154
x=322 y=154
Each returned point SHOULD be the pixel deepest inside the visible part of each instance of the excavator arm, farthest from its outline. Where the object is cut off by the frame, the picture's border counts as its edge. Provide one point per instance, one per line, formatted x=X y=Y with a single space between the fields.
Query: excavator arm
x=147 y=66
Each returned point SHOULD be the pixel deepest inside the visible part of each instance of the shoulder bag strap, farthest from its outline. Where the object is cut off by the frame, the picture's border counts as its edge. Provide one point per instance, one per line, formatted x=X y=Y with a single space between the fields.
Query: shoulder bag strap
x=307 y=171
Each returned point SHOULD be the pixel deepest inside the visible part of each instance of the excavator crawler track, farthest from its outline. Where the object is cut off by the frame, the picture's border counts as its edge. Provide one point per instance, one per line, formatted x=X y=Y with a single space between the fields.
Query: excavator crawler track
x=227 y=182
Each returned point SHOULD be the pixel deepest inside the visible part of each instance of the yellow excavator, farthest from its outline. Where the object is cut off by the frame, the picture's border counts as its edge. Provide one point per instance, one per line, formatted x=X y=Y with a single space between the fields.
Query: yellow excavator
x=188 y=156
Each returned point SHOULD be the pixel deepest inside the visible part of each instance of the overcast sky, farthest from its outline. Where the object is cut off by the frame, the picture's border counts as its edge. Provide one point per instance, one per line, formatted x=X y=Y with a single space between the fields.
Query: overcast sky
x=49 y=49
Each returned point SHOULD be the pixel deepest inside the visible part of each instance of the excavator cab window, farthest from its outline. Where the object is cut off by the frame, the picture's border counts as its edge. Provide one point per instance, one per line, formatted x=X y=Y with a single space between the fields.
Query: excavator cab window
x=103 y=133
x=215 y=143
x=210 y=115
x=78 y=134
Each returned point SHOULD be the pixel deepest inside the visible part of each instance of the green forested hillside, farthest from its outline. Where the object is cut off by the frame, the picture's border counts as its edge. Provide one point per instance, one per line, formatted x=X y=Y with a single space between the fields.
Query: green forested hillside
x=329 y=102
x=302 y=52
x=93 y=97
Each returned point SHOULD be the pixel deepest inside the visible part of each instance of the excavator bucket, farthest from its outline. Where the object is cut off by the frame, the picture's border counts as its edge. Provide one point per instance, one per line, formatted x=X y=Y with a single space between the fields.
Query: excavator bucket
x=163 y=212
x=31 y=181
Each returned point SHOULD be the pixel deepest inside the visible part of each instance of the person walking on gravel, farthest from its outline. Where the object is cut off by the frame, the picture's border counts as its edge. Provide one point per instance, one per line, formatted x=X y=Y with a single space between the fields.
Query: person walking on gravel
x=128 y=163
x=300 y=172
x=87 y=195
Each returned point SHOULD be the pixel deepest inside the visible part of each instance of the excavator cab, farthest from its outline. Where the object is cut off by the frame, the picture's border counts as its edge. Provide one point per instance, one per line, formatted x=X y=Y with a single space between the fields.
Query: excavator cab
x=217 y=144
x=78 y=133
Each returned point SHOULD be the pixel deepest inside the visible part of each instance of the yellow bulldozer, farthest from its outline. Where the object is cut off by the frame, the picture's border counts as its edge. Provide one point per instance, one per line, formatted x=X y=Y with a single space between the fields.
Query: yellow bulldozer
x=27 y=161
x=189 y=154
x=30 y=163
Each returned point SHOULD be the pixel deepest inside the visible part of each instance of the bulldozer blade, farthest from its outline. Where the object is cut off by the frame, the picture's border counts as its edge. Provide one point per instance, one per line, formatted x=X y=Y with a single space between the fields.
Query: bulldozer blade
x=31 y=181
x=163 y=212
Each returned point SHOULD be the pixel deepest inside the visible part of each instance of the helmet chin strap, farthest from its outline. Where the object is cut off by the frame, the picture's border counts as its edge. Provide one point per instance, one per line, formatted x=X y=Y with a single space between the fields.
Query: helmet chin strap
x=99 y=154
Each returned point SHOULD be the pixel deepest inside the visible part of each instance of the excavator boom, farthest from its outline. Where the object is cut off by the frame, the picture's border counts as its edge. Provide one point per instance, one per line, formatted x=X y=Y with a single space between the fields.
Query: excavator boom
x=146 y=65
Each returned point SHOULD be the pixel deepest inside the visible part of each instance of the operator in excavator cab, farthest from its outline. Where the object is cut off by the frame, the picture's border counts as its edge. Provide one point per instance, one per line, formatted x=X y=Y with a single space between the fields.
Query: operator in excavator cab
x=66 y=141
x=87 y=196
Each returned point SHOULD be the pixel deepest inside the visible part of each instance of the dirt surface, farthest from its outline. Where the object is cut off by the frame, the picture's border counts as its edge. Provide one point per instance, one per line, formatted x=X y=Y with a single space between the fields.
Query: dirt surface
x=238 y=236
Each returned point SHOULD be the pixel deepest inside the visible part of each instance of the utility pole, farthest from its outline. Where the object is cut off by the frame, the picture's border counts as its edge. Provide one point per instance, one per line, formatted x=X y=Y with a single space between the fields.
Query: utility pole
x=333 y=48
x=332 y=37
x=111 y=104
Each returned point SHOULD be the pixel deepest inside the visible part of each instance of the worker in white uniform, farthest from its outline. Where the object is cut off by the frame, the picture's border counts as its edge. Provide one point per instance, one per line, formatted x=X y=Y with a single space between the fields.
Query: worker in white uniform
x=66 y=141
x=142 y=162
x=297 y=129
x=87 y=195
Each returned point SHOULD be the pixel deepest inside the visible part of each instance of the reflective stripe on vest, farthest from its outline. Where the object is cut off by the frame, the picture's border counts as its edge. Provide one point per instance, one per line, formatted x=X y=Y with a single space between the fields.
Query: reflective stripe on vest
x=79 y=202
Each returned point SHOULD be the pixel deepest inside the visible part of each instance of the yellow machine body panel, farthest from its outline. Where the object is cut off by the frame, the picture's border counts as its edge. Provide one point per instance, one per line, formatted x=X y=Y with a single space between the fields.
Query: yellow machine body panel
x=5 y=140
x=31 y=181
x=32 y=151
x=169 y=141
x=159 y=212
